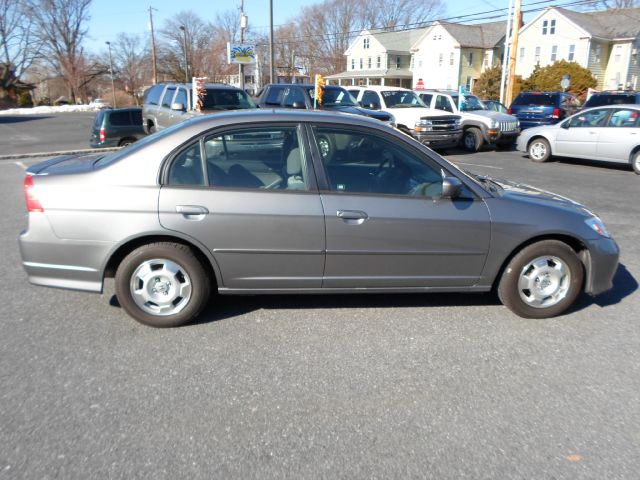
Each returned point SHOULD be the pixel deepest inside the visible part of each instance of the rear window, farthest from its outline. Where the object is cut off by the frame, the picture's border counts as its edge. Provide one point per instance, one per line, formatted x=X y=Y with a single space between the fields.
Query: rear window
x=611 y=99
x=226 y=99
x=136 y=116
x=539 y=99
x=274 y=96
x=99 y=119
x=152 y=96
x=119 y=119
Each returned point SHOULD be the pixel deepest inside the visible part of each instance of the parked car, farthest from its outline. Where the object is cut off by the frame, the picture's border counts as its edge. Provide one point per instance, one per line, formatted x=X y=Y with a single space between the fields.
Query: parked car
x=117 y=128
x=244 y=203
x=300 y=96
x=166 y=104
x=610 y=133
x=543 y=108
x=599 y=99
x=495 y=105
x=479 y=124
x=98 y=103
x=434 y=128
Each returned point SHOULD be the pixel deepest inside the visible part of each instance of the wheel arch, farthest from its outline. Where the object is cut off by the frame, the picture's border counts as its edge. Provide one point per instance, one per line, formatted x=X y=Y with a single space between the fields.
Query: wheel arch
x=537 y=136
x=576 y=245
x=634 y=150
x=129 y=245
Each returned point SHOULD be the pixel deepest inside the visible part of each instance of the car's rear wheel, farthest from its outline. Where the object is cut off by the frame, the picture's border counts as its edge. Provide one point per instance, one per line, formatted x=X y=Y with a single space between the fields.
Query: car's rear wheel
x=635 y=162
x=126 y=141
x=472 y=140
x=542 y=280
x=162 y=284
x=539 y=150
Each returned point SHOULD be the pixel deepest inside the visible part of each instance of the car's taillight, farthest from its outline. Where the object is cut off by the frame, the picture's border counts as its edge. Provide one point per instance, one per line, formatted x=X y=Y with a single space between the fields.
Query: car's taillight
x=102 y=134
x=510 y=111
x=556 y=113
x=33 y=203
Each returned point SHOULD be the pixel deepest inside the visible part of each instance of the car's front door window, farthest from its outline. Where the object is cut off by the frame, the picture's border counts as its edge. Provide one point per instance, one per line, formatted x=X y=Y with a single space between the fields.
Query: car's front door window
x=590 y=119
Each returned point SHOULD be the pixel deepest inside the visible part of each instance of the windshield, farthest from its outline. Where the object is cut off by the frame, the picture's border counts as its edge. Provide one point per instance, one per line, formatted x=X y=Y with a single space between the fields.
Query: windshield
x=226 y=99
x=611 y=99
x=334 y=96
x=401 y=99
x=469 y=103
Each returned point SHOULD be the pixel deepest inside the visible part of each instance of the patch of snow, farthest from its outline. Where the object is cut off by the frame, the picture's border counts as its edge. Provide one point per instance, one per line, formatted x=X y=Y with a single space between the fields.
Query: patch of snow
x=48 y=110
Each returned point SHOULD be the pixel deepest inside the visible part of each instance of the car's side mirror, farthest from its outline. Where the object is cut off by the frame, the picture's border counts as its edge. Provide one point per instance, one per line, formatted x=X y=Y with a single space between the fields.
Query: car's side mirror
x=565 y=125
x=298 y=105
x=178 y=106
x=451 y=187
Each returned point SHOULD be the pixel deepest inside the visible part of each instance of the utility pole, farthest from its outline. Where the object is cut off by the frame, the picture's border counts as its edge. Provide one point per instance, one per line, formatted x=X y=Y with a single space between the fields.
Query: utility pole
x=243 y=25
x=153 y=47
x=186 y=56
x=293 y=66
x=113 y=85
x=505 y=54
x=511 y=80
x=271 y=41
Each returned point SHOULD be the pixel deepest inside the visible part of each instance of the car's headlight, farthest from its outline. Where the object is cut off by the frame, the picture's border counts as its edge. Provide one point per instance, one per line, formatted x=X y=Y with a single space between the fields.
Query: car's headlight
x=495 y=124
x=424 y=126
x=597 y=226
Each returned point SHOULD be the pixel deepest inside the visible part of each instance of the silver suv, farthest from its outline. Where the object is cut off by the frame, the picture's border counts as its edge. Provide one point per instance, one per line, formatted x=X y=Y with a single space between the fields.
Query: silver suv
x=166 y=104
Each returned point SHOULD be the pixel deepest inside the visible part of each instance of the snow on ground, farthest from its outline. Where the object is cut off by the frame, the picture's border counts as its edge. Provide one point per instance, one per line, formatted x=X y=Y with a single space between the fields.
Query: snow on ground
x=48 y=110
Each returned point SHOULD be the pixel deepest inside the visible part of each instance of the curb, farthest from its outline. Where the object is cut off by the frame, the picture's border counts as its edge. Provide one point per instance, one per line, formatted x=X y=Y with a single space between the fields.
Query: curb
x=17 y=156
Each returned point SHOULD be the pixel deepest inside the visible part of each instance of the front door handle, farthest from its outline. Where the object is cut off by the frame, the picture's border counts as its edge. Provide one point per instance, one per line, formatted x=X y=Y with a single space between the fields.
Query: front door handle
x=352 y=217
x=192 y=212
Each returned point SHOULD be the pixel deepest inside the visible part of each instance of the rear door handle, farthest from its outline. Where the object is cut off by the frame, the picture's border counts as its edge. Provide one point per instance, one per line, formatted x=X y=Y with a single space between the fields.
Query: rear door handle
x=352 y=217
x=192 y=212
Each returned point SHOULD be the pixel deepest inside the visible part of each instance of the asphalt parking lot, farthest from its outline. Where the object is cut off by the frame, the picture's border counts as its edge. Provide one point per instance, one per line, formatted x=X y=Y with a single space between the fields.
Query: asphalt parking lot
x=393 y=386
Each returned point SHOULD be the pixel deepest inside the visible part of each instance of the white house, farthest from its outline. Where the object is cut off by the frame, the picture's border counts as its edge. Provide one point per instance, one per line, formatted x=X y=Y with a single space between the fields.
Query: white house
x=451 y=54
x=606 y=42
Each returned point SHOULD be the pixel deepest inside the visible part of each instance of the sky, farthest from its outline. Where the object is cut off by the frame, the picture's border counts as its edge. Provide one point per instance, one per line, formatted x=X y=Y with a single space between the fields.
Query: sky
x=110 y=17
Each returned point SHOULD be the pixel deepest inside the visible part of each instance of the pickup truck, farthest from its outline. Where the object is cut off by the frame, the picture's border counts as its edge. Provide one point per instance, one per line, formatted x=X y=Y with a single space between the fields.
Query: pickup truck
x=433 y=128
x=300 y=96
x=479 y=124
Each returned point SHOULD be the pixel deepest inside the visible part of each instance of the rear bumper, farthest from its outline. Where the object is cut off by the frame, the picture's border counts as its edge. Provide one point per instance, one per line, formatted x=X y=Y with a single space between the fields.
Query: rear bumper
x=602 y=263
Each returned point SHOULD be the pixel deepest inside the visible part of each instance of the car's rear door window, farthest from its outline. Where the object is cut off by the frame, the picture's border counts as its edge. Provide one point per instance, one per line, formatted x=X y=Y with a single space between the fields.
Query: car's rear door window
x=168 y=97
x=624 y=118
x=120 y=119
x=270 y=158
x=186 y=167
x=136 y=117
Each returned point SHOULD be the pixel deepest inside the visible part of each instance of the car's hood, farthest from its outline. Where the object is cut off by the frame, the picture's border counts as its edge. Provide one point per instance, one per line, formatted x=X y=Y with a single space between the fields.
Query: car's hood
x=523 y=192
x=384 y=116
x=501 y=117
x=409 y=116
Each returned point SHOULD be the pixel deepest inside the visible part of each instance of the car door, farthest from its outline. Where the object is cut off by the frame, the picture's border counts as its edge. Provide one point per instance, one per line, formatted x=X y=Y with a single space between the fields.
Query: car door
x=164 y=110
x=250 y=195
x=177 y=116
x=620 y=135
x=578 y=136
x=385 y=223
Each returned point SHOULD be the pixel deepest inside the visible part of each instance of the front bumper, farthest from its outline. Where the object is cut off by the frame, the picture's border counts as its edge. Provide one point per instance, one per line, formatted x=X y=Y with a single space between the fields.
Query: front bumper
x=493 y=136
x=438 y=139
x=601 y=260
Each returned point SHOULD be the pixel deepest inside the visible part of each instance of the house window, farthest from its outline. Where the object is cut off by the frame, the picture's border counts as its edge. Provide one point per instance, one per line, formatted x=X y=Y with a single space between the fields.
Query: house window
x=470 y=59
x=365 y=43
x=369 y=63
x=545 y=25
x=361 y=66
x=618 y=55
x=521 y=53
x=467 y=84
x=378 y=62
x=397 y=62
x=554 y=53
x=440 y=58
x=597 y=53
x=451 y=56
x=353 y=64
x=537 y=59
x=486 y=59
x=552 y=27
x=572 y=52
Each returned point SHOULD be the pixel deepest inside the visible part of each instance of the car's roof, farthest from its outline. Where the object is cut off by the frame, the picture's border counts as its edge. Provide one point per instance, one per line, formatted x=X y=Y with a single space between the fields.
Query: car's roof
x=380 y=88
x=633 y=106
x=304 y=85
x=616 y=92
x=220 y=86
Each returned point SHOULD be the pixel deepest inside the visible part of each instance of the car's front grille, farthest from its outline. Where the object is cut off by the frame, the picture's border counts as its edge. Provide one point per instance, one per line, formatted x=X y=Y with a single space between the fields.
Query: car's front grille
x=444 y=125
x=508 y=126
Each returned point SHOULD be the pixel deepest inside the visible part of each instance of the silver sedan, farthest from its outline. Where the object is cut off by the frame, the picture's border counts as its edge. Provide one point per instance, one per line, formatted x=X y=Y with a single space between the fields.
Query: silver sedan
x=610 y=134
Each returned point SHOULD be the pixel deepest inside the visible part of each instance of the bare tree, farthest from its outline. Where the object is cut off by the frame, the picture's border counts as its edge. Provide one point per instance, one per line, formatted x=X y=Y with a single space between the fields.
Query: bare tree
x=132 y=65
x=61 y=26
x=18 y=44
x=400 y=13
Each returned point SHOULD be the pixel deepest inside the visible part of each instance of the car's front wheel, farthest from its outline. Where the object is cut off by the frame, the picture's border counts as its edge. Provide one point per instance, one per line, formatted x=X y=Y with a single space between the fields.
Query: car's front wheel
x=472 y=140
x=162 y=284
x=542 y=280
x=635 y=162
x=539 y=150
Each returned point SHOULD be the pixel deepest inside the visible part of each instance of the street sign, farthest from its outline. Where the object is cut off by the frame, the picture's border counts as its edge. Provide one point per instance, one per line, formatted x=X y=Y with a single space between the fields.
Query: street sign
x=566 y=81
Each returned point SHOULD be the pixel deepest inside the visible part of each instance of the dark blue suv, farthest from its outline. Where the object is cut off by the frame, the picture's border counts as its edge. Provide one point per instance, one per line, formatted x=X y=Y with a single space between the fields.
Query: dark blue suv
x=543 y=108
x=600 y=99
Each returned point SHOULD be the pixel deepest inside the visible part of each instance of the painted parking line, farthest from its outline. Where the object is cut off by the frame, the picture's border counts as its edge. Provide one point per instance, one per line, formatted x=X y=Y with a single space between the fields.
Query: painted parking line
x=21 y=165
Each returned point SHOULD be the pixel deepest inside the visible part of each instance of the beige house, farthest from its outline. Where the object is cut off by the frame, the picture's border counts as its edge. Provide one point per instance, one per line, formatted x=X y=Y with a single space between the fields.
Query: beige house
x=449 y=54
x=379 y=57
x=606 y=42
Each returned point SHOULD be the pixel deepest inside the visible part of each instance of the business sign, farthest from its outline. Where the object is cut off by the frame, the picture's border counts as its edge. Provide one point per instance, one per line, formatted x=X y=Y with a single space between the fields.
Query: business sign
x=241 y=53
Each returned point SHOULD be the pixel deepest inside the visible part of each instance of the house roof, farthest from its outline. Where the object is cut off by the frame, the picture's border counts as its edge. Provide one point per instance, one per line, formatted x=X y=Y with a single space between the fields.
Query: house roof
x=610 y=24
x=390 y=73
x=481 y=35
x=398 y=41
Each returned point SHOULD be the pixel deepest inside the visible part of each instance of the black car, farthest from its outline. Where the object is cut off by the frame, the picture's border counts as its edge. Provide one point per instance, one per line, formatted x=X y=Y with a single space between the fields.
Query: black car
x=117 y=127
x=300 y=96
x=620 y=97
x=543 y=108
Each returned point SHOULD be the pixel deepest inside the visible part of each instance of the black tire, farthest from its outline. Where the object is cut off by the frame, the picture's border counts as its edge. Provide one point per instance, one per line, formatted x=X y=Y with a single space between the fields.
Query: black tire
x=539 y=150
x=537 y=264
x=635 y=162
x=472 y=139
x=151 y=128
x=190 y=275
x=126 y=141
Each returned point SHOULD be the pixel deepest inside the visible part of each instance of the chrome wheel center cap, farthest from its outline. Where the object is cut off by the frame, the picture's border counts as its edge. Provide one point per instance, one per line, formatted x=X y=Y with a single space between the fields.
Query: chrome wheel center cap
x=161 y=286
